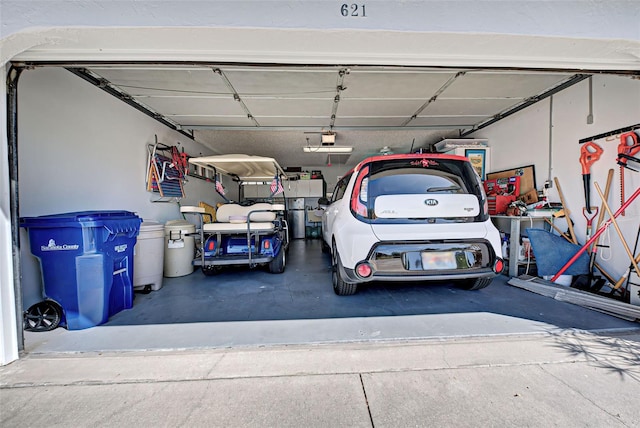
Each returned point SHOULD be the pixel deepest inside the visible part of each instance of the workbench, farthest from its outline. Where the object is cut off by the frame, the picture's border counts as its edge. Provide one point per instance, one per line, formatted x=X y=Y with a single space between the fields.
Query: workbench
x=513 y=226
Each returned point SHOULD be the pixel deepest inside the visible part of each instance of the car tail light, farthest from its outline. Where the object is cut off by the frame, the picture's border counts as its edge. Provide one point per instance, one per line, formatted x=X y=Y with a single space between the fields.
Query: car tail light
x=498 y=266
x=484 y=199
x=267 y=244
x=364 y=270
x=359 y=195
x=211 y=245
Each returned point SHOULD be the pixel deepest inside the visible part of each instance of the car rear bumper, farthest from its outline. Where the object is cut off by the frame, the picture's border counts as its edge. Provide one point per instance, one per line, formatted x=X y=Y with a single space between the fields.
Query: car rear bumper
x=428 y=260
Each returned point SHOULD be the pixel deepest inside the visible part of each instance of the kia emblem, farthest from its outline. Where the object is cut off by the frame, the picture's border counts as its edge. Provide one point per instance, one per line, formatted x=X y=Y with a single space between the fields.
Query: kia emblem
x=431 y=202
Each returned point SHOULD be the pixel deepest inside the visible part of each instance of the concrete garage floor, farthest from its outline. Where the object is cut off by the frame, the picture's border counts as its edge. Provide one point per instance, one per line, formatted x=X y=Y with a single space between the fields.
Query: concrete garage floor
x=243 y=307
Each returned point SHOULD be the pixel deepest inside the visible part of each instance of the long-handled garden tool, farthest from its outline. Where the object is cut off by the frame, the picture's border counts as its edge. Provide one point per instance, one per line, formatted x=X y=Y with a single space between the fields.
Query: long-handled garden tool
x=628 y=147
x=597 y=234
x=594 y=248
x=566 y=211
x=589 y=216
x=615 y=225
x=624 y=277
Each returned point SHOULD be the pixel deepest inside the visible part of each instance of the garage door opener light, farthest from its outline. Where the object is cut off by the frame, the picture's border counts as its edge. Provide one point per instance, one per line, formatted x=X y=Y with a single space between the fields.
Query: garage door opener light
x=328 y=149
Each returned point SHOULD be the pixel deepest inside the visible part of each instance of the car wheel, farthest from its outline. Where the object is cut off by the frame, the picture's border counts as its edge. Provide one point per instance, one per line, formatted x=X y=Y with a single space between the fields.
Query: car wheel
x=277 y=265
x=476 y=284
x=324 y=246
x=340 y=287
x=43 y=316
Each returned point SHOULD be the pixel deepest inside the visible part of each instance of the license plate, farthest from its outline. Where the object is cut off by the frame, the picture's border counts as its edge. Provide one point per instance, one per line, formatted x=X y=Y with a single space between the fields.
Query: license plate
x=439 y=260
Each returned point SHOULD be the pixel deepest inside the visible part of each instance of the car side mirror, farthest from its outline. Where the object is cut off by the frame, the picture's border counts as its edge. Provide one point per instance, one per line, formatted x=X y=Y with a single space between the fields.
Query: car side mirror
x=323 y=201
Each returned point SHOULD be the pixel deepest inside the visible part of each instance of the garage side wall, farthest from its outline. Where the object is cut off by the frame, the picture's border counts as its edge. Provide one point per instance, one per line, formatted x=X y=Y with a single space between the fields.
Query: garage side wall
x=523 y=139
x=81 y=149
x=8 y=332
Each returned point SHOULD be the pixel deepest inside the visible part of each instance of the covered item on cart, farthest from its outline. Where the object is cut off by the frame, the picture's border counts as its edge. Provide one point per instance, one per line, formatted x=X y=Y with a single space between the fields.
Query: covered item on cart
x=247 y=233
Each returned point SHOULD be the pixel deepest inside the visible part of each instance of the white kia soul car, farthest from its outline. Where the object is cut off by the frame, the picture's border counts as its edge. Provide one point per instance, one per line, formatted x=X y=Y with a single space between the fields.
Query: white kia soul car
x=410 y=217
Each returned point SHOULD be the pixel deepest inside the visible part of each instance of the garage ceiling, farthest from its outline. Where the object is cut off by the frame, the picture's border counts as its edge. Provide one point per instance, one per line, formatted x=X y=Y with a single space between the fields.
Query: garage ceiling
x=299 y=103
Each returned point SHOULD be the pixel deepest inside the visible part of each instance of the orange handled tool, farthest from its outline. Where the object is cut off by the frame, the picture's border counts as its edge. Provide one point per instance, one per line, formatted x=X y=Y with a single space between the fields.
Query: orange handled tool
x=626 y=149
x=589 y=153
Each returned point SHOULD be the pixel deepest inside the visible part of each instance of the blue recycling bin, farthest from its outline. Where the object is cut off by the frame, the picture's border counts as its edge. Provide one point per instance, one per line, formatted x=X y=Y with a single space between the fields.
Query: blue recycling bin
x=87 y=262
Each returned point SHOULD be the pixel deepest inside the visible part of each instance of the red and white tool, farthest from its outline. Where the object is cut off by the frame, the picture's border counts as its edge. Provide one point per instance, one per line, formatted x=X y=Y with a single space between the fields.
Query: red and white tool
x=628 y=146
x=589 y=153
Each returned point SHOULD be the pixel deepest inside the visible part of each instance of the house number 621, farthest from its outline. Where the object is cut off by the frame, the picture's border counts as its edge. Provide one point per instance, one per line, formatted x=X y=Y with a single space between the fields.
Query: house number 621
x=353 y=10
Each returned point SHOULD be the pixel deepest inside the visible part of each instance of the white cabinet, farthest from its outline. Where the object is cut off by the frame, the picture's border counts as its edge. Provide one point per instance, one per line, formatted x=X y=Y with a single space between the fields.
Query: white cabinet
x=316 y=188
x=250 y=191
x=257 y=191
x=292 y=189
x=303 y=188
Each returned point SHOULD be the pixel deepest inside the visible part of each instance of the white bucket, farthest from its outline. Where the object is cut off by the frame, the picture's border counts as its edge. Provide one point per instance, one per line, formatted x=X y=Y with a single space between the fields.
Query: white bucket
x=148 y=256
x=180 y=248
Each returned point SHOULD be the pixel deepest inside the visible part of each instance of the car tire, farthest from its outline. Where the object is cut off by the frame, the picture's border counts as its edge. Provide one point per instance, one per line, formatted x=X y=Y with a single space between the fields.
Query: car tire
x=325 y=248
x=340 y=287
x=476 y=284
x=277 y=265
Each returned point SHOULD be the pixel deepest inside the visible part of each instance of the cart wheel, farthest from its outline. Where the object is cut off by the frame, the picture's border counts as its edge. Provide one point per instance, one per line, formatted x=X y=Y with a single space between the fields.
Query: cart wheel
x=43 y=316
x=211 y=270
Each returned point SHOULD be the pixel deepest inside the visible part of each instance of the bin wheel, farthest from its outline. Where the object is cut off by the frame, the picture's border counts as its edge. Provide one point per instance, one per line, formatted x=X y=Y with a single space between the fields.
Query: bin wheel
x=43 y=316
x=144 y=290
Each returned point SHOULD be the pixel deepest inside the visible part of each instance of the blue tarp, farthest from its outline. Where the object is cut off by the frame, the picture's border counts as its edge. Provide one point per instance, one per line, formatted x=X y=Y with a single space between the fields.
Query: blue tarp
x=552 y=252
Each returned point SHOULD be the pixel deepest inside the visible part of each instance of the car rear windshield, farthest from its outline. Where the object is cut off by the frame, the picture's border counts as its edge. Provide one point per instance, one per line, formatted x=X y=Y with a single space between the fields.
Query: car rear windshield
x=427 y=175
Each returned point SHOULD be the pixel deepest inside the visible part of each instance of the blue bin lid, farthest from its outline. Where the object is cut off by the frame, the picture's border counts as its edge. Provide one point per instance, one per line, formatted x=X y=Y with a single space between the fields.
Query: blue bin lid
x=78 y=219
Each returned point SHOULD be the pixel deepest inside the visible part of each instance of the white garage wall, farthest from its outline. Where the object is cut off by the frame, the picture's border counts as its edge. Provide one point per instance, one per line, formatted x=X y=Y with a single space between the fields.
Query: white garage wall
x=80 y=149
x=523 y=139
x=8 y=333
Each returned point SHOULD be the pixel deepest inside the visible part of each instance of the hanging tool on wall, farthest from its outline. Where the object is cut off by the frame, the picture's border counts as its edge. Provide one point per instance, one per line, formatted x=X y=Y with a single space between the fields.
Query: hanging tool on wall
x=589 y=153
x=628 y=147
x=629 y=162
x=179 y=162
x=163 y=175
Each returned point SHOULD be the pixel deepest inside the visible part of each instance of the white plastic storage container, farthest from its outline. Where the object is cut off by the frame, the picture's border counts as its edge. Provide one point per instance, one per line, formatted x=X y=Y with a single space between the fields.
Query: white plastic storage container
x=148 y=256
x=180 y=248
